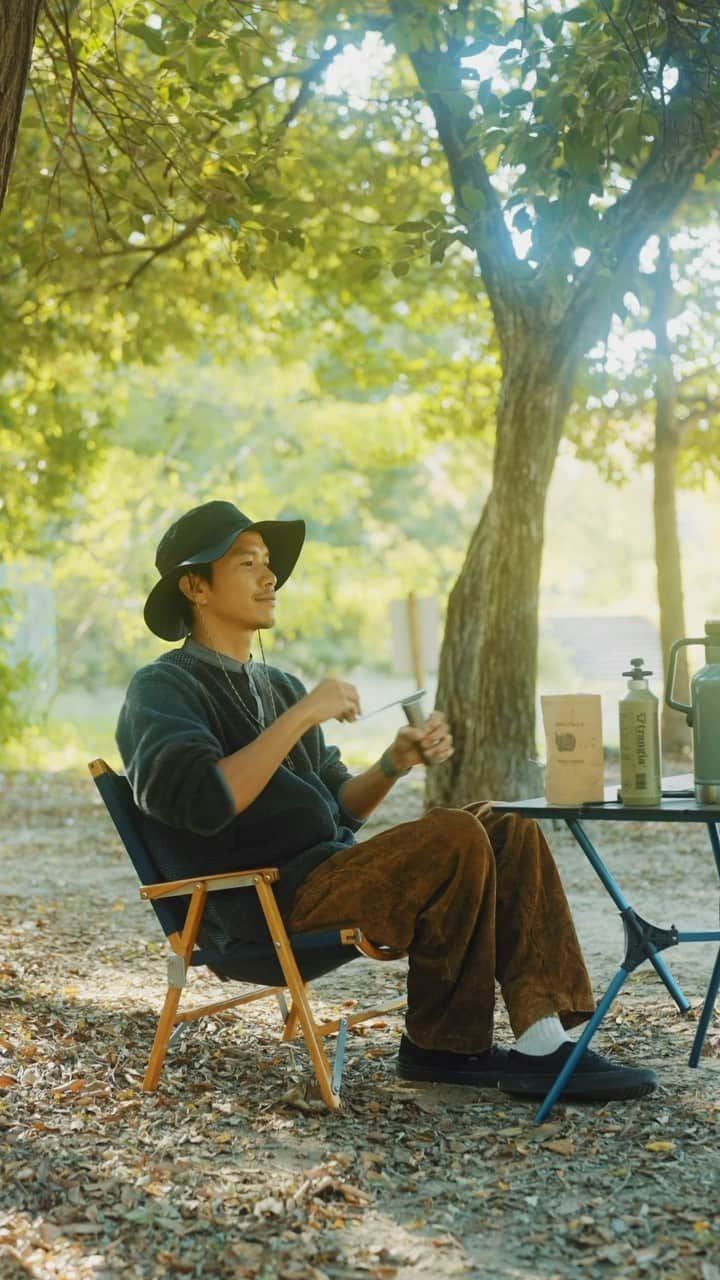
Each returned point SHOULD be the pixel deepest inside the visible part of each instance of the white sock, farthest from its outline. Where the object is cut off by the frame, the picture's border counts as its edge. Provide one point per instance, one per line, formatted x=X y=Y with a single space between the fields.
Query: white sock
x=544 y=1036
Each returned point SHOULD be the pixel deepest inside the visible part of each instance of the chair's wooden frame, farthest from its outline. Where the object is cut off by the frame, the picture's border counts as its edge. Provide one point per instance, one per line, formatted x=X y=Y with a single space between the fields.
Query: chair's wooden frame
x=299 y=1019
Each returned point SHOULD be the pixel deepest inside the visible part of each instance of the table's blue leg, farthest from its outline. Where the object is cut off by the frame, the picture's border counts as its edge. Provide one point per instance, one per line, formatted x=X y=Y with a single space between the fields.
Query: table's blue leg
x=554 y=1092
x=706 y=1014
x=663 y=972
x=714 y=984
x=623 y=906
x=715 y=842
x=597 y=864
x=641 y=939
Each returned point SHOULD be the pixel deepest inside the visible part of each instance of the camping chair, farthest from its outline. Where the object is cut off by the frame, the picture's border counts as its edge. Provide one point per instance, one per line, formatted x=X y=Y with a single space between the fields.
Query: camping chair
x=283 y=963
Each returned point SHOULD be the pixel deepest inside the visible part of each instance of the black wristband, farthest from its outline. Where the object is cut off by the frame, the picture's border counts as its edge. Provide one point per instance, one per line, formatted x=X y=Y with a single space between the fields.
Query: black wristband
x=388 y=767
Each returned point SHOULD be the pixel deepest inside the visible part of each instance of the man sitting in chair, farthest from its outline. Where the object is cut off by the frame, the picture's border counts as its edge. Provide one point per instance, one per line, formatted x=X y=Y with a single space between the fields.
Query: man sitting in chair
x=229 y=769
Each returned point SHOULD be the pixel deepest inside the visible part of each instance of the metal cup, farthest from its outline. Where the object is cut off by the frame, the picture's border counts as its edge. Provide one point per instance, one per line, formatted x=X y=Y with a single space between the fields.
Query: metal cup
x=416 y=716
x=414 y=710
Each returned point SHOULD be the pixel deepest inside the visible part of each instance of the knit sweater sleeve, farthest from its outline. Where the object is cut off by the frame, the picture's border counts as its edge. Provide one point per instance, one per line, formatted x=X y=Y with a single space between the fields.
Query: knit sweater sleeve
x=329 y=764
x=335 y=773
x=170 y=752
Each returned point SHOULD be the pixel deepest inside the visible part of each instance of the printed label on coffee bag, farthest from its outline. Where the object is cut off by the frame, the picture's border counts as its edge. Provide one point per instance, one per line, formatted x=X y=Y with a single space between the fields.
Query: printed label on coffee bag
x=573 y=733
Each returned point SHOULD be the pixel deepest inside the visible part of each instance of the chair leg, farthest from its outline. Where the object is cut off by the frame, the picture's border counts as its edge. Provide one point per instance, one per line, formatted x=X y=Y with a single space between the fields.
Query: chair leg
x=165 y=1025
x=296 y=987
x=177 y=969
x=291 y=1023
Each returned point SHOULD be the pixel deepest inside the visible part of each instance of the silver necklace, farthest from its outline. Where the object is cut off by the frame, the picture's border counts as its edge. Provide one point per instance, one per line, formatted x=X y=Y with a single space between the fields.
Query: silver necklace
x=250 y=715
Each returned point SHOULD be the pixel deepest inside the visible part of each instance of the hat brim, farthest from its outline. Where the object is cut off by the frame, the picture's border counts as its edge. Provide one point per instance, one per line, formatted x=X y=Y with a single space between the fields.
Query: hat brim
x=163 y=611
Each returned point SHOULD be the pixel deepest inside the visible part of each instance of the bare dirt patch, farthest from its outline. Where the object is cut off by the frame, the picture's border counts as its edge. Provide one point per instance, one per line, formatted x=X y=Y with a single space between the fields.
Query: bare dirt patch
x=216 y=1176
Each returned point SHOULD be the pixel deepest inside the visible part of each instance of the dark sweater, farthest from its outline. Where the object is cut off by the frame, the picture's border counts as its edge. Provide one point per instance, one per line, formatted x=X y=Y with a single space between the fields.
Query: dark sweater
x=178 y=719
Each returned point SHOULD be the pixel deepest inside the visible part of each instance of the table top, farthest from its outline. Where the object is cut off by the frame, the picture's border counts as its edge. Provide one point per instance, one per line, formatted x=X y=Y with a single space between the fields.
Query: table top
x=678 y=804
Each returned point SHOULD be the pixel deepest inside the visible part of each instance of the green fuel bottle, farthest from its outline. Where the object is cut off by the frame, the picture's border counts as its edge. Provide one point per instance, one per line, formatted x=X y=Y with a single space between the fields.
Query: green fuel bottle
x=639 y=740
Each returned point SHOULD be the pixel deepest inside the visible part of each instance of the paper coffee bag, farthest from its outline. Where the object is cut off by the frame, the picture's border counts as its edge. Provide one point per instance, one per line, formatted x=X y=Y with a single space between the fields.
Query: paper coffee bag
x=573 y=732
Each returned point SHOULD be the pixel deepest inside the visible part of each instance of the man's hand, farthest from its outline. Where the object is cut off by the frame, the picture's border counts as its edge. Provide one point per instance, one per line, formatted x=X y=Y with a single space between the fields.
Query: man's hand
x=432 y=744
x=333 y=700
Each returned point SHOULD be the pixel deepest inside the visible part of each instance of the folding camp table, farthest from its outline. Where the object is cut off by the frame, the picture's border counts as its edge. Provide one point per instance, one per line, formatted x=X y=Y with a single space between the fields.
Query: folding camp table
x=643 y=941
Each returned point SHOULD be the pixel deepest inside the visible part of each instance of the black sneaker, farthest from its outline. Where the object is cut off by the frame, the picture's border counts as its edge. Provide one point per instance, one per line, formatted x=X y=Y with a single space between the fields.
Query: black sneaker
x=595 y=1079
x=483 y=1070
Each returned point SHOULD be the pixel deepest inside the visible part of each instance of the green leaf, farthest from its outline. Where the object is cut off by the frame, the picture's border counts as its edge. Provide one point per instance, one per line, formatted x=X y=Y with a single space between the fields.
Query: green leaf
x=517 y=98
x=487 y=20
x=409 y=249
x=552 y=26
x=440 y=248
x=148 y=35
x=495 y=138
x=488 y=100
x=415 y=225
x=580 y=14
x=580 y=154
x=471 y=197
x=196 y=63
x=400 y=268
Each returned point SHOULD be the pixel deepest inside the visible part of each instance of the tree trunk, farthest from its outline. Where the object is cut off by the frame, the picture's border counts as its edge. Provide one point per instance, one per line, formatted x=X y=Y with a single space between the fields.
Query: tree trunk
x=675 y=730
x=18 y=20
x=489 y=656
x=488 y=663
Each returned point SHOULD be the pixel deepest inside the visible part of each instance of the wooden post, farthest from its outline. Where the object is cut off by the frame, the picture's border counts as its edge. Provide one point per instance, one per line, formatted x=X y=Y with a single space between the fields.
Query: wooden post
x=416 y=653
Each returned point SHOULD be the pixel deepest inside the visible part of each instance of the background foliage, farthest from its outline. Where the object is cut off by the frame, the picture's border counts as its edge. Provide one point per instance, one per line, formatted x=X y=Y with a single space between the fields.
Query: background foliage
x=235 y=253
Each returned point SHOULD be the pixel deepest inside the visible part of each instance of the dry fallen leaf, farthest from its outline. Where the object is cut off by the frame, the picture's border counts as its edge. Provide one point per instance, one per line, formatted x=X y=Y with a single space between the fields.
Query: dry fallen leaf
x=170 y=1189
x=301 y=1096
x=73 y=1086
x=561 y=1146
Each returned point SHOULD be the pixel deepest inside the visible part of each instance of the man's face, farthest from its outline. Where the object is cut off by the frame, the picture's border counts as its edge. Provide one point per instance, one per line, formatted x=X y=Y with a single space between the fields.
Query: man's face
x=242 y=591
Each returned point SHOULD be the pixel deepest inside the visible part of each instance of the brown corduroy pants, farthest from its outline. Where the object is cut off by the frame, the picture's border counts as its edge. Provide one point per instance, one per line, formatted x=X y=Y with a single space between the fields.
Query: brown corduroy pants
x=472 y=901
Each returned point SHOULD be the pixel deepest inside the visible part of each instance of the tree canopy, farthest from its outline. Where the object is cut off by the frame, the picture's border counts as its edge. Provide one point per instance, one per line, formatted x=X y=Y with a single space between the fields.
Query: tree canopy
x=526 y=153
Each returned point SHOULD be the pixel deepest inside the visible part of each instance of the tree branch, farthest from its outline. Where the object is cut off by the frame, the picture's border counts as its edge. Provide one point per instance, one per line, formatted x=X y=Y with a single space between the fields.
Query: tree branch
x=309 y=78
x=678 y=154
x=158 y=250
x=440 y=77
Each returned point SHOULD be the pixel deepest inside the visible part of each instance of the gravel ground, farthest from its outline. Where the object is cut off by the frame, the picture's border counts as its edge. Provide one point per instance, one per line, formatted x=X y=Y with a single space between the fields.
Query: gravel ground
x=219 y=1175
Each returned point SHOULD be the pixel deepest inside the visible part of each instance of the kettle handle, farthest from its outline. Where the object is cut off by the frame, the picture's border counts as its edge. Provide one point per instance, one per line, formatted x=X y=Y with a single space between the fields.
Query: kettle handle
x=672 y=659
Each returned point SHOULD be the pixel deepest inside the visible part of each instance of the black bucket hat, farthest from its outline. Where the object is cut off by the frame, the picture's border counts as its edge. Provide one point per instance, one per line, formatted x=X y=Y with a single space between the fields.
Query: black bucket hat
x=201 y=536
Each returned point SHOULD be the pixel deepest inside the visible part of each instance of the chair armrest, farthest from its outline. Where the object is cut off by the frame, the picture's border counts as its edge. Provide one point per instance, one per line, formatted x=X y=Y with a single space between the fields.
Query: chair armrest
x=225 y=880
x=356 y=938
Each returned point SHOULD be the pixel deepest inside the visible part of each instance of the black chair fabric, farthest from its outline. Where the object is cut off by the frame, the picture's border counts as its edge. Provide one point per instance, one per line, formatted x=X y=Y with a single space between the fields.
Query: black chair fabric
x=316 y=953
x=118 y=797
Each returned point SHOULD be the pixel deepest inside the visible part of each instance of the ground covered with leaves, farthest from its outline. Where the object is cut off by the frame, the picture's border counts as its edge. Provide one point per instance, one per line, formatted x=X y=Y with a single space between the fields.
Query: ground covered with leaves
x=219 y=1175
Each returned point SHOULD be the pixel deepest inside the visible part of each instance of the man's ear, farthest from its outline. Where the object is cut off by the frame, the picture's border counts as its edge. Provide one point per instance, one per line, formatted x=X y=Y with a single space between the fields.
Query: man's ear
x=192 y=587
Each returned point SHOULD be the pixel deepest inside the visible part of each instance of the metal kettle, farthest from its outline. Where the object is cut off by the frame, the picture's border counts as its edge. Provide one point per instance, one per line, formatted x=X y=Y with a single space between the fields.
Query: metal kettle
x=704 y=714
